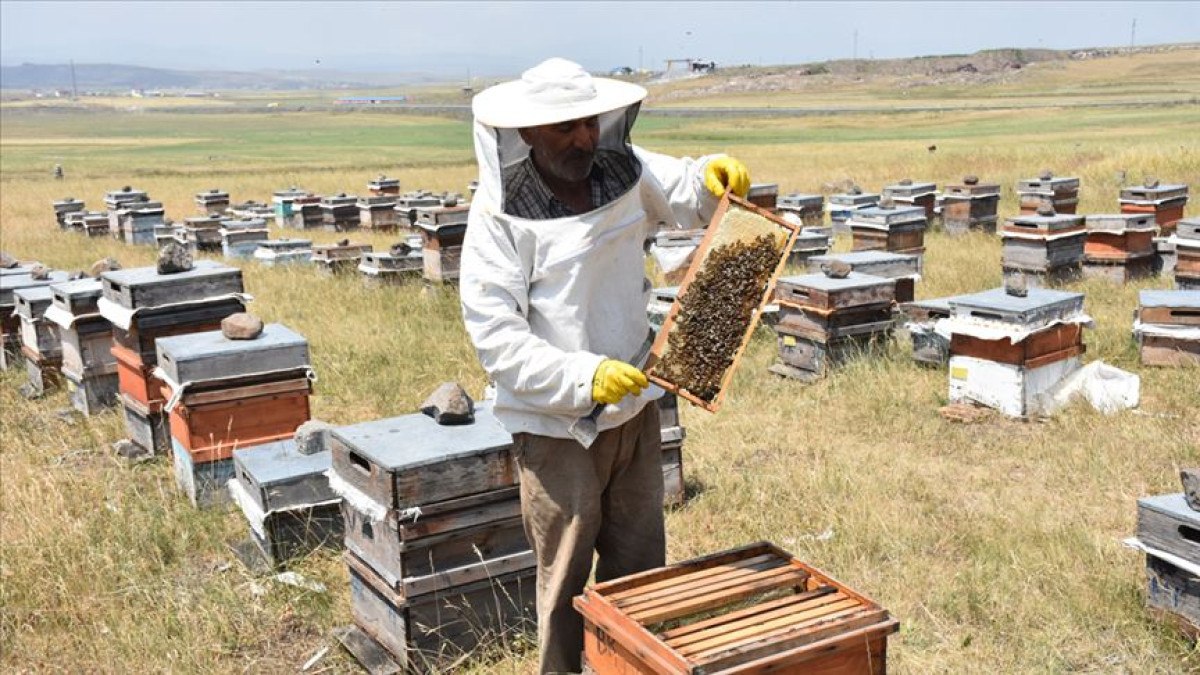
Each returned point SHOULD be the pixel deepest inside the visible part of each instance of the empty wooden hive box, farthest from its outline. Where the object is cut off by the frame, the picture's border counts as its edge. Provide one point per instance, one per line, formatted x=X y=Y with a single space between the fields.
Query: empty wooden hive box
x=899 y=229
x=225 y=394
x=442 y=231
x=40 y=342
x=907 y=192
x=1119 y=247
x=823 y=321
x=1062 y=193
x=970 y=205
x=905 y=268
x=340 y=212
x=88 y=364
x=1186 y=242
x=1168 y=531
x=1043 y=248
x=63 y=207
x=283 y=252
x=286 y=498
x=1164 y=202
x=1167 y=327
x=435 y=543
x=1008 y=352
x=143 y=306
x=842 y=206
x=378 y=212
x=241 y=238
x=810 y=209
x=755 y=609
x=212 y=202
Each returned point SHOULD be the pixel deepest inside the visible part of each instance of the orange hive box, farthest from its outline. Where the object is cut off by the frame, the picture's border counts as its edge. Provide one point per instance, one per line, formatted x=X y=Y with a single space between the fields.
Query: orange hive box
x=752 y=610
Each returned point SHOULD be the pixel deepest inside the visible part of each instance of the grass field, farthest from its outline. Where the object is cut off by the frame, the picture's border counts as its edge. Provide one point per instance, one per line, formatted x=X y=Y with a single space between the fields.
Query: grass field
x=996 y=545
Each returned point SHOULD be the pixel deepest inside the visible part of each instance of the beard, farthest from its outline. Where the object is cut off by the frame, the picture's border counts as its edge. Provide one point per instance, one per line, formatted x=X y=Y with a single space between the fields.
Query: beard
x=571 y=168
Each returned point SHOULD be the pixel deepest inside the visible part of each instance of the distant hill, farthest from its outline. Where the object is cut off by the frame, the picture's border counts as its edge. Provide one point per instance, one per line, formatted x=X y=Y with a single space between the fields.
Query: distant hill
x=110 y=77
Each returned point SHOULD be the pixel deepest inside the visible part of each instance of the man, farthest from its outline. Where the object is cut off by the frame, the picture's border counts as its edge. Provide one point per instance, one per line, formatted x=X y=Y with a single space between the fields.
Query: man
x=554 y=297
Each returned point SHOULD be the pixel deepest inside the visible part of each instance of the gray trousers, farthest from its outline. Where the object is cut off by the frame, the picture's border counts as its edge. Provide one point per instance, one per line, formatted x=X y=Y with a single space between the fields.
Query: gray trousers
x=576 y=501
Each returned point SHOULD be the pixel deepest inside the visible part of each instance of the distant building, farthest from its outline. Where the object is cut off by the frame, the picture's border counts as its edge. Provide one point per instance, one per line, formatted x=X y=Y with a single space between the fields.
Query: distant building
x=371 y=100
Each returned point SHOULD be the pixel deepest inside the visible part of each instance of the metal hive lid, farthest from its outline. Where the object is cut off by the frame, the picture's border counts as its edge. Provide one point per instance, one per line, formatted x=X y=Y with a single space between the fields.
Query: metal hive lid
x=796 y=200
x=847 y=199
x=1157 y=192
x=195 y=346
x=1052 y=184
x=909 y=190
x=858 y=258
x=1039 y=305
x=413 y=441
x=876 y=215
x=1120 y=221
x=823 y=283
x=1161 y=298
x=138 y=276
x=280 y=461
x=78 y=290
x=286 y=244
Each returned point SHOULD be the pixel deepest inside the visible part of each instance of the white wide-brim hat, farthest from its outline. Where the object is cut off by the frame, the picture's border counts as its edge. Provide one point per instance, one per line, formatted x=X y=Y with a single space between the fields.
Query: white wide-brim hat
x=555 y=90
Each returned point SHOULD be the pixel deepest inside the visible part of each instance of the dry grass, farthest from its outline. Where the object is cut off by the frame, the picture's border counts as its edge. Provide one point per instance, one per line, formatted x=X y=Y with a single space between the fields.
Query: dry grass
x=996 y=545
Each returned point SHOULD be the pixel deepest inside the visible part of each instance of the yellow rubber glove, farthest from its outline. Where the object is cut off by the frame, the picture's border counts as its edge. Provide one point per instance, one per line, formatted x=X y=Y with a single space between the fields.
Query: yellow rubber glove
x=614 y=379
x=727 y=172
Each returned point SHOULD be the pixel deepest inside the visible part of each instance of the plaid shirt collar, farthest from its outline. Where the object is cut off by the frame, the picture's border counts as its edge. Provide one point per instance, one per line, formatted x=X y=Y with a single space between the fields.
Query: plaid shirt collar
x=528 y=196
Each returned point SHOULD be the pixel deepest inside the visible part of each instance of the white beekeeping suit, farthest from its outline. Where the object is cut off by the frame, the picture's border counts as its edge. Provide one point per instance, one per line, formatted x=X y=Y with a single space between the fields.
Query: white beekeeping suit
x=545 y=301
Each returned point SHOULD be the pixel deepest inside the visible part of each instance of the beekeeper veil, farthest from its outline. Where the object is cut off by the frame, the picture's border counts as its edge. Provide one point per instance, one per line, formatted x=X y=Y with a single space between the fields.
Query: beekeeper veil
x=553 y=91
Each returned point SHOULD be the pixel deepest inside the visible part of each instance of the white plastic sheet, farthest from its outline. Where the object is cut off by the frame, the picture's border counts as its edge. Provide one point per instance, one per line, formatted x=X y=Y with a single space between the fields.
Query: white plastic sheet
x=1107 y=388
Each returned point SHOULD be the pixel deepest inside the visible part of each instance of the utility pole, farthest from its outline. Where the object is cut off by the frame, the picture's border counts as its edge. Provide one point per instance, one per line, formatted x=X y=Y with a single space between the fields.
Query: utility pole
x=74 y=86
x=1133 y=34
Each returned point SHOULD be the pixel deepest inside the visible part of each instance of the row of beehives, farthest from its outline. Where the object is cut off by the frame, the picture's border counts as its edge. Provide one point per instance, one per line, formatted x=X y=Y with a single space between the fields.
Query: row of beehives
x=1005 y=351
x=436 y=226
x=430 y=515
x=971 y=204
x=1040 y=245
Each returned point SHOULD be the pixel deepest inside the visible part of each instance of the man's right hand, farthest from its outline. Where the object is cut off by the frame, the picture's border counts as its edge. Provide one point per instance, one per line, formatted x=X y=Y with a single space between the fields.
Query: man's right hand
x=615 y=379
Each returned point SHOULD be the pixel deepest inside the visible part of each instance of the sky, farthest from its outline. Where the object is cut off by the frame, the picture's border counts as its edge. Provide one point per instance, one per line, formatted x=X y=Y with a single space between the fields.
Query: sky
x=503 y=38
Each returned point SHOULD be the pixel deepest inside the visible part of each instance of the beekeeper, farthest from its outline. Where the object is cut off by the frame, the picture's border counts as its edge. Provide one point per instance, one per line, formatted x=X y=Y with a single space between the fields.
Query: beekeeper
x=554 y=297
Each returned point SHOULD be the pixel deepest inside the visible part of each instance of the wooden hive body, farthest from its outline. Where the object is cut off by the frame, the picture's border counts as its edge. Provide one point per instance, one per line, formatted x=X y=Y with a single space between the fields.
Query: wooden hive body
x=411 y=460
x=753 y=610
x=1168 y=524
x=145 y=287
x=1172 y=308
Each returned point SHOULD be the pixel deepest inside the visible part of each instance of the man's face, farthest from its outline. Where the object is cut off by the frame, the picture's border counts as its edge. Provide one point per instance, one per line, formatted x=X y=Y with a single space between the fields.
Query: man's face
x=564 y=150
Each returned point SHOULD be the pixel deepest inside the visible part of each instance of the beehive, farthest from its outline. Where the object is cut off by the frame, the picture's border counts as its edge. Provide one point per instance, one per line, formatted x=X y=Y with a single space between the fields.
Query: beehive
x=753 y=609
x=1062 y=193
x=842 y=206
x=970 y=205
x=64 y=207
x=720 y=300
x=809 y=208
x=903 y=267
x=1165 y=202
x=763 y=195
x=908 y=192
x=340 y=212
x=888 y=228
x=212 y=202
x=1168 y=327
x=382 y=185
x=378 y=212
x=283 y=252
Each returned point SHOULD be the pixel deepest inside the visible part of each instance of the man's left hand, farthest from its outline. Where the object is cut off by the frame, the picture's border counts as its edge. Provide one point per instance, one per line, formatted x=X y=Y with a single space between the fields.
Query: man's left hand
x=727 y=173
